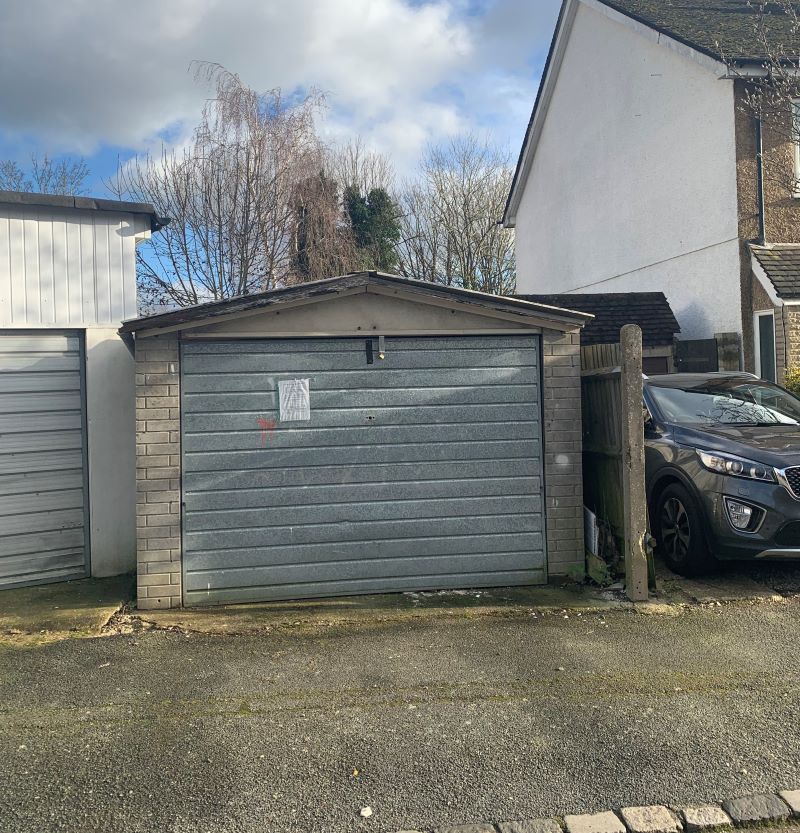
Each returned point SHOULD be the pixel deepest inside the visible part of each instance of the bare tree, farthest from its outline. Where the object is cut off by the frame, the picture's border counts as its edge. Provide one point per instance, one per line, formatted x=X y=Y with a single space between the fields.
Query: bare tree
x=450 y=225
x=45 y=176
x=771 y=94
x=231 y=194
x=353 y=165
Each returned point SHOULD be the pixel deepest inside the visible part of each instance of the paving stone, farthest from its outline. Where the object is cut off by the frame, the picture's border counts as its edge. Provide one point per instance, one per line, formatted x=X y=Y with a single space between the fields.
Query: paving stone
x=653 y=819
x=709 y=817
x=605 y=822
x=533 y=826
x=755 y=809
x=792 y=798
x=466 y=828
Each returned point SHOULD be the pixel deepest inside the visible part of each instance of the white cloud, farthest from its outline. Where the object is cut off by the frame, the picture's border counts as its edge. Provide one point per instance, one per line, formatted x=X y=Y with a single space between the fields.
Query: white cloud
x=79 y=74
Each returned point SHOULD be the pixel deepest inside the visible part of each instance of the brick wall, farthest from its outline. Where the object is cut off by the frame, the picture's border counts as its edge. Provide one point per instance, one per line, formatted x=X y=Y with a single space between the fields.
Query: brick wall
x=563 y=447
x=158 y=450
x=790 y=320
x=781 y=209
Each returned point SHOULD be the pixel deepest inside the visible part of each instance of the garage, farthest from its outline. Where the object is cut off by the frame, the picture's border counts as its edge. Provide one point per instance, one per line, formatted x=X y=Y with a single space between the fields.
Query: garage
x=42 y=458
x=419 y=470
x=366 y=434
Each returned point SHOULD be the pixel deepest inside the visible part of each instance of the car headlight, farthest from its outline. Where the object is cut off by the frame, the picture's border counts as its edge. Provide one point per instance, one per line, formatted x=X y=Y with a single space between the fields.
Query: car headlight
x=736 y=466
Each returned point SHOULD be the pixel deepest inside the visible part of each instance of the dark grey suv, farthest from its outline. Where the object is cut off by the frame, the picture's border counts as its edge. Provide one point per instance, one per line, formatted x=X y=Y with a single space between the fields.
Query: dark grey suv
x=723 y=468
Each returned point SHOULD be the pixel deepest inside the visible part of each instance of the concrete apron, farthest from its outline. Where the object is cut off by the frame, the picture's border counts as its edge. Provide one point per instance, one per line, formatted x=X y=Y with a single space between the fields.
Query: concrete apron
x=97 y=607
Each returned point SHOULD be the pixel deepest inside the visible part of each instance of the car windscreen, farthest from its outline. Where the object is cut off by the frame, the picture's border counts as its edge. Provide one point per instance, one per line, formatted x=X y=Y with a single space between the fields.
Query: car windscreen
x=727 y=403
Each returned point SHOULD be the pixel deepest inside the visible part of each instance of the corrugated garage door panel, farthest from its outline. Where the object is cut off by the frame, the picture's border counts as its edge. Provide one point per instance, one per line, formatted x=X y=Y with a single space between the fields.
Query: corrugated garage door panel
x=42 y=473
x=417 y=472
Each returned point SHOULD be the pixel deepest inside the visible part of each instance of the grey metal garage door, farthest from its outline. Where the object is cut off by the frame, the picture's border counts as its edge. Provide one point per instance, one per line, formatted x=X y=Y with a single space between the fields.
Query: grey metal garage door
x=419 y=471
x=42 y=458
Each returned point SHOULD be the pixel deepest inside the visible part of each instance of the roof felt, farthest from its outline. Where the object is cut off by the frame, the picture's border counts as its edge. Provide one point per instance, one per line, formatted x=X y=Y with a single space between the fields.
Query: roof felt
x=781 y=263
x=720 y=28
x=333 y=286
x=612 y=310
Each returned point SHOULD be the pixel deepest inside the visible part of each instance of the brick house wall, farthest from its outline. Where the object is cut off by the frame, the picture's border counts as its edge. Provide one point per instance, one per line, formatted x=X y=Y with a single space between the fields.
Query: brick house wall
x=790 y=323
x=782 y=220
x=158 y=466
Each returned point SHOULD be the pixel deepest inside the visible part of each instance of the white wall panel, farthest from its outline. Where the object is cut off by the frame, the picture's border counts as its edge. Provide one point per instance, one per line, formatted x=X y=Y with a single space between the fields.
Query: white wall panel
x=67 y=267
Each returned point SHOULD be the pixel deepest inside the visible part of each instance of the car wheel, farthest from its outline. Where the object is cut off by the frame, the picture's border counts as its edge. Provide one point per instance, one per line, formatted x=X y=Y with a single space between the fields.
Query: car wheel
x=681 y=541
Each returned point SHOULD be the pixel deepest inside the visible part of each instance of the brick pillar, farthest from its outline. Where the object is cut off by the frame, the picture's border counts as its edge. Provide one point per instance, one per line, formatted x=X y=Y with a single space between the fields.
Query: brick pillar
x=158 y=455
x=563 y=464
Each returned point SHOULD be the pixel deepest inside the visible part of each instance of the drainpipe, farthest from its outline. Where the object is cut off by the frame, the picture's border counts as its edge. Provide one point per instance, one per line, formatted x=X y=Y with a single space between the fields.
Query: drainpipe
x=762 y=222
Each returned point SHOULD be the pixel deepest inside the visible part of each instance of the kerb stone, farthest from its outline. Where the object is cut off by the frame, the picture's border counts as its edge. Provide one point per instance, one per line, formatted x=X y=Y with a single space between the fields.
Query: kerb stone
x=653 y=819
x=532 y=826
x=756 y=809
x=708 y=817
x=605 y=822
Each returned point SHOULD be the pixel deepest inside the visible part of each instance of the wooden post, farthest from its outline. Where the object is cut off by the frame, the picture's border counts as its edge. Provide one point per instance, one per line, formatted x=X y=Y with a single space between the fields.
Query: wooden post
x=633 y=481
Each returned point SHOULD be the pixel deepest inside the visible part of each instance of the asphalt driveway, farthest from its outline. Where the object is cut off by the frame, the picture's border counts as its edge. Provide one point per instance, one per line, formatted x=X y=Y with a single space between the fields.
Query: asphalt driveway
x=475 y=718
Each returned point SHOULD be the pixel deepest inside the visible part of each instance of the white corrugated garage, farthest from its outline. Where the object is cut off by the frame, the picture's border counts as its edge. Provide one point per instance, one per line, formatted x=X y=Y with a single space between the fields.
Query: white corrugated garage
x=67 y=450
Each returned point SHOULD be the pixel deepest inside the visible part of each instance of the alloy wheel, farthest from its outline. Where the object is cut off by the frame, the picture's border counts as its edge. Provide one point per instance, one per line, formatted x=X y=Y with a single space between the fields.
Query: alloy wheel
x=675 y=529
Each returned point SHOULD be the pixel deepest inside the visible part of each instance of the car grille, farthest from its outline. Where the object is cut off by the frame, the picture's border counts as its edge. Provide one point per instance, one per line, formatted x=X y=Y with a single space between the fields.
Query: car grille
x=793 y=479
x=789 y=535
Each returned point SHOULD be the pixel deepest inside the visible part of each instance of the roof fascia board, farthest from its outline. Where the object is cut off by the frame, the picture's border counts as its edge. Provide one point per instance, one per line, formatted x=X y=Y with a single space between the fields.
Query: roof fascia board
x=763 y=279
x=200 y=323
x=550 y=79
x=331 y=284
x=753 y=69
x=509 y=302
x=532 y=318
x=245 y=336
x=58 y=202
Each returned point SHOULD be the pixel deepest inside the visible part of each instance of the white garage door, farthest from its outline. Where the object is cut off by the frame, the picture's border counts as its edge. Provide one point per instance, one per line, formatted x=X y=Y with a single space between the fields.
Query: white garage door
x=42 y=458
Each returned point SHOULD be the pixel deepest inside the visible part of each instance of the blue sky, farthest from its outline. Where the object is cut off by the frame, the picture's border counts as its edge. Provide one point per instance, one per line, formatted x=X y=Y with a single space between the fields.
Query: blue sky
x=110 y=80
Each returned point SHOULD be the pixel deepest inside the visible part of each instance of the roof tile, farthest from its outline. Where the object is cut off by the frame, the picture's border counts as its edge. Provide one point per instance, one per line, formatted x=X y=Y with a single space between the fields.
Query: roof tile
x=781 y=263
x=612 y=310
x=721 y=28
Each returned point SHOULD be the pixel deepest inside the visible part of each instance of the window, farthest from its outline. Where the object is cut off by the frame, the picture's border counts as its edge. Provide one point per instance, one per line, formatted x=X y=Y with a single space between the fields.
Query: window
x=725 y=402
x=764 y=341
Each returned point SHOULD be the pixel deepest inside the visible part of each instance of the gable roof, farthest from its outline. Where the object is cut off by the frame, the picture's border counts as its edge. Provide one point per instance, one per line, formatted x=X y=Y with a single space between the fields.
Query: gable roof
x=613 y=310
x=718 y=29
x=781 y=264
x=331 y=287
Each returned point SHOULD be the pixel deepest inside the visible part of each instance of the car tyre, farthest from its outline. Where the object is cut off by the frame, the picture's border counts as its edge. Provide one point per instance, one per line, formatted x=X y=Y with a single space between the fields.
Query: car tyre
x=679 y=527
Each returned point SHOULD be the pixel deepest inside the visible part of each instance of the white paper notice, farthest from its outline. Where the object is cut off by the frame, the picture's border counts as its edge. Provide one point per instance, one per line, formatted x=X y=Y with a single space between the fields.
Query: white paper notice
x=295 y=402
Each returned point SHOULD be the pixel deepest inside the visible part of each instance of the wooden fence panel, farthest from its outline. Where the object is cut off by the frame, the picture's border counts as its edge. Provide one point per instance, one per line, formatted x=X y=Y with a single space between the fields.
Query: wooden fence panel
x=601 y=356
x=613 y=458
